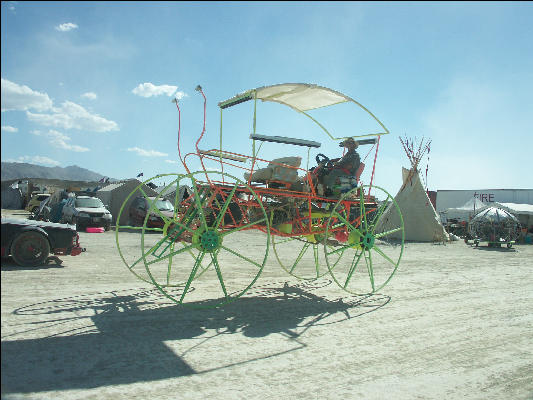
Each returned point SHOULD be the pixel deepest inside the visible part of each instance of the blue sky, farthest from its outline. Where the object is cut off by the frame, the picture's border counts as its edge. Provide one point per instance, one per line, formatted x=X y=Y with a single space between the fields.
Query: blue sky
x=91 y=83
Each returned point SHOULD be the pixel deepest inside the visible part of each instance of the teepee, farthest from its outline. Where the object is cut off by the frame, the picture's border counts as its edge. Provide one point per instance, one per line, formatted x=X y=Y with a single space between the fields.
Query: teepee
x=421 y=222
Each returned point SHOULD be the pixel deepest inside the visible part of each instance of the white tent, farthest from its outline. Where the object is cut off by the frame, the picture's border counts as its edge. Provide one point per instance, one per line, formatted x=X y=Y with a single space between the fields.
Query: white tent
x=466 y=211
x=524 y=212
x=421 y=222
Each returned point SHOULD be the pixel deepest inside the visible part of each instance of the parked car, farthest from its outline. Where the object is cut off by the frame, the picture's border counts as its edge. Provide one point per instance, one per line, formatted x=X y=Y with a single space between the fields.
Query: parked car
x=30 y=242
x=35 y=201
x=139 y=207
x=86 y=211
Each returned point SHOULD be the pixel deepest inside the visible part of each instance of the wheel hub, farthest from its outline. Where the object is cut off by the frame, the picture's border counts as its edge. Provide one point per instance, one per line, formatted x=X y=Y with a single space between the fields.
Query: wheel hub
x=208 y=240
x=367 y=241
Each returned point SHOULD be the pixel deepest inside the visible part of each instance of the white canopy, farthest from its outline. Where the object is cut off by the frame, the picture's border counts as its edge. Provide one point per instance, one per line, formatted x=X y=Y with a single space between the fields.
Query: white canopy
x=466 y=211
x=299 y=96
x=521 y=209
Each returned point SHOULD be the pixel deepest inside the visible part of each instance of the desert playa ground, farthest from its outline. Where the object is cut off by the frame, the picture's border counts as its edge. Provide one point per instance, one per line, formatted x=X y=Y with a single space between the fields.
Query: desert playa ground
x=455 y=322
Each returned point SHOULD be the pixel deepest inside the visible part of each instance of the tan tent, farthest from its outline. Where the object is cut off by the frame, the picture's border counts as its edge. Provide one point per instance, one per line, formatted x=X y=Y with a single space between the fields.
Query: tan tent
x=421 y=222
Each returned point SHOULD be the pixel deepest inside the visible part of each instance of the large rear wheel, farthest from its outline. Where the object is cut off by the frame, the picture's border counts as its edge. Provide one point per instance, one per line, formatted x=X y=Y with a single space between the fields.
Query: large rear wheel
x=204 y=255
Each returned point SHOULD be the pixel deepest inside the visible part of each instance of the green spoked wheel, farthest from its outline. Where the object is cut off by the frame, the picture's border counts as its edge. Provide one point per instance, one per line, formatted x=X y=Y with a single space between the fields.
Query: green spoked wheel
x=140 y=234
x=205 y=255
x=367 y=235
x=299 y=257
x=302 y=256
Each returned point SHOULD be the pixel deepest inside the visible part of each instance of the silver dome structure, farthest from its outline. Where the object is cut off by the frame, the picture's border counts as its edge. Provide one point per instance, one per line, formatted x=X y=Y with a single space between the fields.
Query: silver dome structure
x=495 y=226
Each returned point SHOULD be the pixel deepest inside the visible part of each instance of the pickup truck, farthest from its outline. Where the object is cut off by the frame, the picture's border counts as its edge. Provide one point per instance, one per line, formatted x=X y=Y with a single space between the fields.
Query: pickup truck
x=30 y=242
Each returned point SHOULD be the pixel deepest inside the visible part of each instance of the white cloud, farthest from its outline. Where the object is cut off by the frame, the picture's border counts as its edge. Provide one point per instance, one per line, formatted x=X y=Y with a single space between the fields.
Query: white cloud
x=21 y=97
x=180 y=95
x=58 y=139
x=147 y=153
x=148 y=89
x=89 y=95
x=68 y=26
x=34 y=160
x=73 y=116
x=7 y=128
x=171 y=162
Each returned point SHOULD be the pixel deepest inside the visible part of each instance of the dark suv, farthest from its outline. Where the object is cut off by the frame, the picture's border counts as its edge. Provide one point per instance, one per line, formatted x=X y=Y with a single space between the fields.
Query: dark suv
x=140 y=206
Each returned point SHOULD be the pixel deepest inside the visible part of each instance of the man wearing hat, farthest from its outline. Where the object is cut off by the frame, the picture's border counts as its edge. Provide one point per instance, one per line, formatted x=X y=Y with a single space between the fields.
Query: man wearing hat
x=345 y=166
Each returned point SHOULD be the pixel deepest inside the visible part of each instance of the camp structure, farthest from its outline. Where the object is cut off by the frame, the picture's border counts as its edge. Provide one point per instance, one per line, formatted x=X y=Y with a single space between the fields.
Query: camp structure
x=524 y=213
x=12 y=198
x=464 y=213
x=114 y=195
x=421 y=222
x=169 y=193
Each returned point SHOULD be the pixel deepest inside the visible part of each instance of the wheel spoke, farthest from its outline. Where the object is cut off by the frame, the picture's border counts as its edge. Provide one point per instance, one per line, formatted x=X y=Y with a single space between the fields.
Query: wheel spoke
x=380 y=235
x=219 y=274
x=240 y=228
x=353 y=267
x=198 y=201
x=241 y=256
x=172 y=254
x=368 y=261
x=176 y=197
x=342 y=248
x=285 y=240
x=315 y=254
x=382 y=254
x=152 y=249
x=363 y=211
x=380 y=211
x=302 y=252
x=191 y=276
x=225 y=206
x=170 y=264
x=183 y=227
x=343 y=220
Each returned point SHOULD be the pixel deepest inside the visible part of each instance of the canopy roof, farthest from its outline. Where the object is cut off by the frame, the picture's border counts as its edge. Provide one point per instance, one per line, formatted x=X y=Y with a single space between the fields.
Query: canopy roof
x=473 y=204
x=299 y=96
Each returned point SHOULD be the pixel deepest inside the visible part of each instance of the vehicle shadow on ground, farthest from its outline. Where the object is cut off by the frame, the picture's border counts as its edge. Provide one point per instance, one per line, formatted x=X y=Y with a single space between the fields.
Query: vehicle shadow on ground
x=9 y=265
x=125 y=343
x=500 y=249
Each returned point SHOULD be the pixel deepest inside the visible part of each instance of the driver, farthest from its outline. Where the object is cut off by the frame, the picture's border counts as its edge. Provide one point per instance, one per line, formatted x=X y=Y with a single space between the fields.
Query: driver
x=345 y=166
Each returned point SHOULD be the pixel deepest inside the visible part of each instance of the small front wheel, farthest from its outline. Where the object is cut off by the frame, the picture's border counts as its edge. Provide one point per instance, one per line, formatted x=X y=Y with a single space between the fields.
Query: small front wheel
x=369 y=238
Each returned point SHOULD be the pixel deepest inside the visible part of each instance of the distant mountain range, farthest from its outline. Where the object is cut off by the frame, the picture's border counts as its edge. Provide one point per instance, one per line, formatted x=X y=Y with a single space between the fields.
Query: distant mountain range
x=14 y=170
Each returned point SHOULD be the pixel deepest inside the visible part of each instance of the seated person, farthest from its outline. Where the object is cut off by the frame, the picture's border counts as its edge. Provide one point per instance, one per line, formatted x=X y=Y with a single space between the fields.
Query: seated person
x=348 y=165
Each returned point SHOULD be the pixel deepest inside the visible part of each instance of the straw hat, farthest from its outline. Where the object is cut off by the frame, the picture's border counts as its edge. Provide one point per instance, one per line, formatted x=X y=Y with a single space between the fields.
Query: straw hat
x=349 y=141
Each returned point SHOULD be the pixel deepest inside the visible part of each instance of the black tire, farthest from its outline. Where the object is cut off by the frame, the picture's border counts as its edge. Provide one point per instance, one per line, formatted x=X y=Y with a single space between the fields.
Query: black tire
x=35 y=210
x=30 y=249
x=106 y=228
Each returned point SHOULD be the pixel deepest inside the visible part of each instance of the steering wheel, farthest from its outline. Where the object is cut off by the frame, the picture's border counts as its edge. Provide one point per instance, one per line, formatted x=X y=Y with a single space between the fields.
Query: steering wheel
x=324 y=158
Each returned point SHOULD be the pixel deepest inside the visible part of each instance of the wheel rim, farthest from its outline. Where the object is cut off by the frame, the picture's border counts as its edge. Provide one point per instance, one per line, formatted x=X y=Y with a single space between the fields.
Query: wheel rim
x=132 y=255
x=32 y=250
x=370 y=240
x=195 y=247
